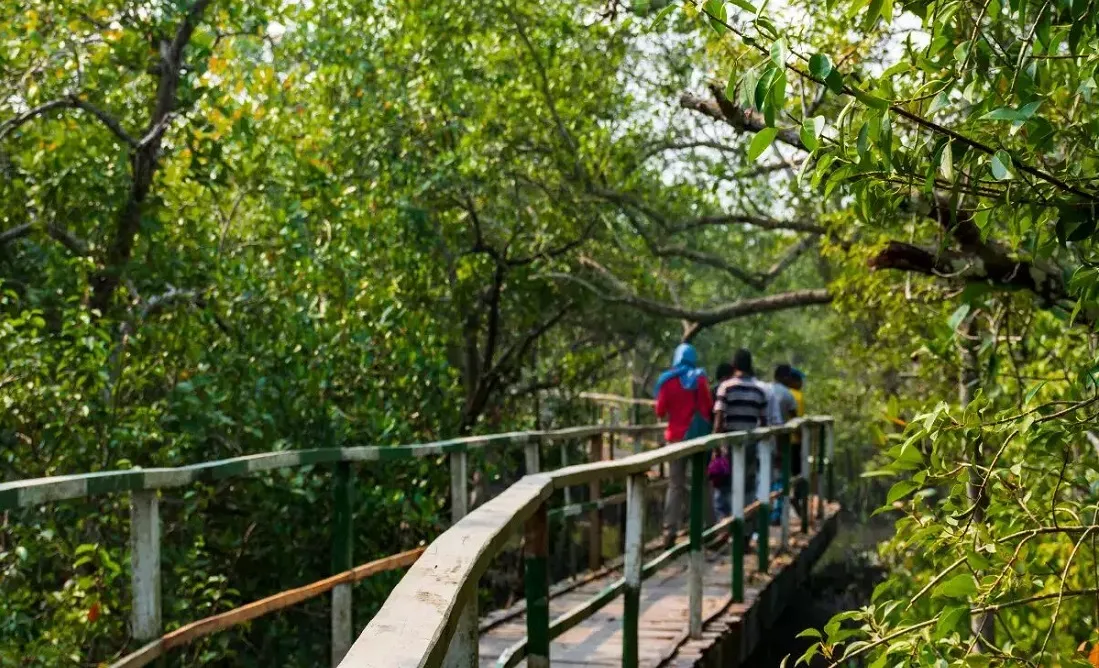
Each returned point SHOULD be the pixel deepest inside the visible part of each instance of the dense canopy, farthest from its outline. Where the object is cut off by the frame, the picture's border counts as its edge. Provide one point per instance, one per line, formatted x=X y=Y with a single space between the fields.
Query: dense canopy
x=230 y=227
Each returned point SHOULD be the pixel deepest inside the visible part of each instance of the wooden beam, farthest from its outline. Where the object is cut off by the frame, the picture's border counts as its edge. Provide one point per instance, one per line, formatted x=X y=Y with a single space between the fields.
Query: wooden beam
x=343 y=494
x=634 y=559
x=145 y=565
x=536 y=580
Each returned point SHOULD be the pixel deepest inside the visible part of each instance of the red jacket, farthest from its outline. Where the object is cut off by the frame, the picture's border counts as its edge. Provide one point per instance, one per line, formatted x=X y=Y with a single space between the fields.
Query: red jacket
x=678 y=406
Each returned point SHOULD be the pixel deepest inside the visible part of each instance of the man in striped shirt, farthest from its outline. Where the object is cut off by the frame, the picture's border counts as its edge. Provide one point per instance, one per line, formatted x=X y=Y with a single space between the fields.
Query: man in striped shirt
x=744 y=403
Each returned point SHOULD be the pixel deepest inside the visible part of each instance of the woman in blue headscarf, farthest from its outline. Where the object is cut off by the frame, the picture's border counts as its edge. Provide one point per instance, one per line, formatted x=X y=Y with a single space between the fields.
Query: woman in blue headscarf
x=683 y=399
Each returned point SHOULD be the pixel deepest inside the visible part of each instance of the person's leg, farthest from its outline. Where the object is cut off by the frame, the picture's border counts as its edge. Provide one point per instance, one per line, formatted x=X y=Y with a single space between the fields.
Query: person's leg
x=673 y=500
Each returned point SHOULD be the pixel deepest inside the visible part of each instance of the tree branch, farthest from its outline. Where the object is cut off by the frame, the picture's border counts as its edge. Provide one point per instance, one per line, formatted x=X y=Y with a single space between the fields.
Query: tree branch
x=722 y=109
x=700 y=319
x=69 y=102
x=76 y=246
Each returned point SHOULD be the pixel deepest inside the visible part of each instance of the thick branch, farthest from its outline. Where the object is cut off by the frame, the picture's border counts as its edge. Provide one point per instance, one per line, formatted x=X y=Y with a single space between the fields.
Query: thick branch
x=69 y=102
x=145 y=161
x=76 y=246
x=722 y=109
x=700 y=319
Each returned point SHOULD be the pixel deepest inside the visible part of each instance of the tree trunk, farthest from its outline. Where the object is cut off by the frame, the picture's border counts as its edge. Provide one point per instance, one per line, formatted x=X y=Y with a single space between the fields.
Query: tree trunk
x=982 y=626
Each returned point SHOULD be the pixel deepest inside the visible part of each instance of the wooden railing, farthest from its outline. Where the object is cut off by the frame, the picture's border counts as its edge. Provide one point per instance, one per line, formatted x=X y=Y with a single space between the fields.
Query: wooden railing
x=430 y=618
x=146 y=485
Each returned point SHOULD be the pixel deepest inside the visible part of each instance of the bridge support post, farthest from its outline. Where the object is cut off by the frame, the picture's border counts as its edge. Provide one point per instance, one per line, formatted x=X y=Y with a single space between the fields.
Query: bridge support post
x=459 y=493
x=634 y=557
x=763 y=516
x=737 y=534
x=145 y=564
x=806 y=477
x=531 y=455
x=342 y=542
x=694 y=582
x=829 y=460
x=536 y=581
x=462 y=651
x=819 y=491
x=595 y=518
x=784 y=449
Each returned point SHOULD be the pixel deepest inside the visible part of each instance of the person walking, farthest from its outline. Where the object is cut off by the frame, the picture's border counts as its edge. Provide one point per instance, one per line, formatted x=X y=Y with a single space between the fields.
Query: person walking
x=683 y=399
x=744 y=403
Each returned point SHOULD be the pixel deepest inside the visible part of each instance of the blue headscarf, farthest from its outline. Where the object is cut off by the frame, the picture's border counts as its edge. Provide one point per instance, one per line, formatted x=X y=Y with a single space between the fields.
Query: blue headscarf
x=684 y=367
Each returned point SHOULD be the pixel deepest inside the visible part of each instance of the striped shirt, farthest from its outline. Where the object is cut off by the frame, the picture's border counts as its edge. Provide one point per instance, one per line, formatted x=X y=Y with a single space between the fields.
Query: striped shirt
x=744 y=403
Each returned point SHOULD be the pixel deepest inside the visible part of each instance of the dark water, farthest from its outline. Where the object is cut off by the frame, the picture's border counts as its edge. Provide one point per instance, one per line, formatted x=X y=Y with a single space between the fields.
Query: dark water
x=843 y=579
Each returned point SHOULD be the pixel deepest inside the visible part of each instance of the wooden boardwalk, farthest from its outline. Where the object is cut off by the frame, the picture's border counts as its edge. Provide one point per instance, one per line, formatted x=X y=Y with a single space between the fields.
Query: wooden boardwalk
x=730 y=630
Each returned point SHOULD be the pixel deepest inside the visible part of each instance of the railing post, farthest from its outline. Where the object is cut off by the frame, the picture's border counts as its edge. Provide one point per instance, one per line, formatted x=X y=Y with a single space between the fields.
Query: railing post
x=635 y=543
x=830 y=458
x=145 y=564
x=459 y=493
x=462 y=651
x=763 y=519
x=819 y=453
x=694 y=583
x=783 y=441
x=343 y=501
x=531 y=455
x=595 y=518
x=535 y=551
x=806 y=475
x=737 y=540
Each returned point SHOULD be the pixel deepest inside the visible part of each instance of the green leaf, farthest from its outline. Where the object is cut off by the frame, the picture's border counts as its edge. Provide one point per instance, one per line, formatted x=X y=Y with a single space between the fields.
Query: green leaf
x=1007 y=114
x=809 y=633
x=863 y=142
x=959 y=586
x=872 y=14
x=745 y=5
x=811 y=130
x=1001 y=166
x=766 y=27
x=834 y=81
x=820 y=66
x=1075 y=222
x=949 y=620
x=958 y=316
x=763 y=88
x=662 y=16
x=778 y=53
x=715 y=12
x=872 y=101
x=1033 y=392
x=900 y=490
x=760 y=142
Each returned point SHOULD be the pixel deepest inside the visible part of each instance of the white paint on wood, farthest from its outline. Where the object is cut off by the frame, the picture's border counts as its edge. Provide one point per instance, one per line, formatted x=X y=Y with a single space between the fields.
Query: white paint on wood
x=766 y=461
x=531 y=458
x=459 y=493
x=694 y=594
x=635 y=524
x=145 y=564
x=342 y=634
x=738 y=461
x=462 y=652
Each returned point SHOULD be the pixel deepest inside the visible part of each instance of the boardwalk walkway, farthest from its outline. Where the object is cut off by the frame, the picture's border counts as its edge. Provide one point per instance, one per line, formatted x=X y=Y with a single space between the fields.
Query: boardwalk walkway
x=662 y=627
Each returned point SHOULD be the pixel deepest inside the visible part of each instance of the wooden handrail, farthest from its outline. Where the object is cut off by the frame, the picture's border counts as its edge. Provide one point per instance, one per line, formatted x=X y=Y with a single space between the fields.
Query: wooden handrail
x=198 y=629
x=38 y=491
x=415 y=625
x=616 y=399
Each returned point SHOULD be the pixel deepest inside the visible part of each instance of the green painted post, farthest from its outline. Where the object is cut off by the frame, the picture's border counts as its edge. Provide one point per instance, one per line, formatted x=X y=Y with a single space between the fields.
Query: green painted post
x=536 y=550
x=783 y=441
x=694 y=583
x=738 y=522
x=829 y=459
x=342 y=541
x=634 y=556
